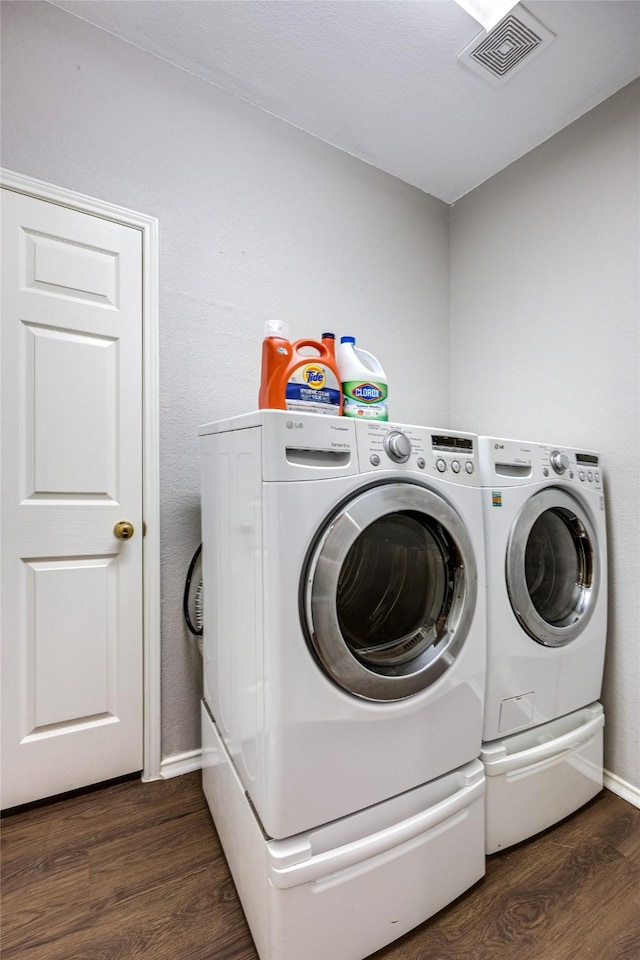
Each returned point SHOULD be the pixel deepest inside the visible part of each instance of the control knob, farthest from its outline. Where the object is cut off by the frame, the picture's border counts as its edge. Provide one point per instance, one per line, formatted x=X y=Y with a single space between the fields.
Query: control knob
x=397 y=446
x=559 y=461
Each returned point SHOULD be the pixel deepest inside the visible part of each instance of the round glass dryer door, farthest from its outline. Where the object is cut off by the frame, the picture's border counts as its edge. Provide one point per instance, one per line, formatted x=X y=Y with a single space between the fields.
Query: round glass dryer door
x=389 y=591
x=553 y=568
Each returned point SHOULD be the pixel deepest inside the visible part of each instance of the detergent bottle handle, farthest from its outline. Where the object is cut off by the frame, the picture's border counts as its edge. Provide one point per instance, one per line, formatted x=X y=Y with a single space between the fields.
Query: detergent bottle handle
x=322 y=350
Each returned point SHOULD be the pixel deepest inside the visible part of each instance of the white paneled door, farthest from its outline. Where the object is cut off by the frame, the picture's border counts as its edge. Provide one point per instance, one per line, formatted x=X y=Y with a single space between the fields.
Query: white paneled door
x=72 y=638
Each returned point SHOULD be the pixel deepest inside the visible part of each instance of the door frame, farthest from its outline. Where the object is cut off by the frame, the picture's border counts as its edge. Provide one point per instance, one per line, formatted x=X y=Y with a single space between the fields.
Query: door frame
x=149 y=228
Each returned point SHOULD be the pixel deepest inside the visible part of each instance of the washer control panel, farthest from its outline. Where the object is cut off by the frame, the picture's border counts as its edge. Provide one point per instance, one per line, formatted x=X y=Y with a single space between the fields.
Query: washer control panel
x=513 y=462
x=436 y=453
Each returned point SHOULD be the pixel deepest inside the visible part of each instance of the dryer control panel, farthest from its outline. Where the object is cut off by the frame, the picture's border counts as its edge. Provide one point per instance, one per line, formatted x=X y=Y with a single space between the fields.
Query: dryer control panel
x=514 y=462
x=423 y=450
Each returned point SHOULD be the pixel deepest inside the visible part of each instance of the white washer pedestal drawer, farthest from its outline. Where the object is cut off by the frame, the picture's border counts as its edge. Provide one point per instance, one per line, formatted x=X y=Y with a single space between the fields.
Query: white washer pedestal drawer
x=345 y=889
x=538 y=777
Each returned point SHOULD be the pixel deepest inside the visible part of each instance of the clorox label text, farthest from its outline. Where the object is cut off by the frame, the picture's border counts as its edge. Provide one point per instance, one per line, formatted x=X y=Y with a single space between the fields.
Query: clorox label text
x=367 y=393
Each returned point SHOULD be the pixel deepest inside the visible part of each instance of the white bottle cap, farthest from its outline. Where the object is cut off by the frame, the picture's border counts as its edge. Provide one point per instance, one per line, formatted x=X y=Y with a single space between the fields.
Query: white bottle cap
x=276 y=328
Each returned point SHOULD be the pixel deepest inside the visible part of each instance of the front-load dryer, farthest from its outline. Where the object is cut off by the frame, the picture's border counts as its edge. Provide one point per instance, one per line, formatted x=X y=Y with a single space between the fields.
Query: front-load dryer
x=546 y=557
x=344 y=605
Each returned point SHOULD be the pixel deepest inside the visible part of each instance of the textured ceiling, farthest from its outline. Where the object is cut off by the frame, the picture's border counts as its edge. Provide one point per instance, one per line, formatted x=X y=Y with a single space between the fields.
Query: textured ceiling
x=380 y=78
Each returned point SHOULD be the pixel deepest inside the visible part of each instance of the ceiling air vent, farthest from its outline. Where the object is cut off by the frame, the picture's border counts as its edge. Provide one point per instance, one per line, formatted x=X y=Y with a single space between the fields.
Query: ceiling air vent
x=516 y=40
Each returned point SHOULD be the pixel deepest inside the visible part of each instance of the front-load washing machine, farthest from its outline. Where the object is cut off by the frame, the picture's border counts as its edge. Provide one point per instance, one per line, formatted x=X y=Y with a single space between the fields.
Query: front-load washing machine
x=344 y=665
x=546 y=557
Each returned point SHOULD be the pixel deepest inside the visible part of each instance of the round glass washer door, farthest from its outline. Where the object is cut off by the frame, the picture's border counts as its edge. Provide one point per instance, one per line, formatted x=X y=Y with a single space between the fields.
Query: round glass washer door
x=553 y=568
x=389 y=591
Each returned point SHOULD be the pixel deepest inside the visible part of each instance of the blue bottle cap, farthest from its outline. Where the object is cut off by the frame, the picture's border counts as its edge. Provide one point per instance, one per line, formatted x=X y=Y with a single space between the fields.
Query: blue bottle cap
x=347 y=339
x=328 y=336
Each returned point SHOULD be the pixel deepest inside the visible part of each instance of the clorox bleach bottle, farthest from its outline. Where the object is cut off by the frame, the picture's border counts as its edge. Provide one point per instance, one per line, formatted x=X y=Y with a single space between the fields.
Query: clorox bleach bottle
x=364 y=384
x=292 y=380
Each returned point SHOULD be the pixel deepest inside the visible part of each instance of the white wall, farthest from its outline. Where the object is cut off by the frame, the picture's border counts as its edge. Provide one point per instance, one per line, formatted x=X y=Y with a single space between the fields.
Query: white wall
x=257 y=220
x=545 y=307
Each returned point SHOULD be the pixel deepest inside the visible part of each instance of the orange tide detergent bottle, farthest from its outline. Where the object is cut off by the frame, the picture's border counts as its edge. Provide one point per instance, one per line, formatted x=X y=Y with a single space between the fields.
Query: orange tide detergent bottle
x=297 y=381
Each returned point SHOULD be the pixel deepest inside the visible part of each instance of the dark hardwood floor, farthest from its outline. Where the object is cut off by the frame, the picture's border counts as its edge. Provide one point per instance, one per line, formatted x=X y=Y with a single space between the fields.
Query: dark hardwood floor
x=135 y=870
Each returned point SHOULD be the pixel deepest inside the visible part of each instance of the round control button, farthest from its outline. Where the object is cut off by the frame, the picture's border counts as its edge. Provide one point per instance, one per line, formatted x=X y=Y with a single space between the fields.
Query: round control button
x=581 y=474
x=397 y=446
x=421 y=463
x=589 y=476
x=545 y=472
x=455 y=466
x=374 y=459
x=597 y=476
x=441 y=466
x=571 y=474
x=469 y=466
x=559 y=461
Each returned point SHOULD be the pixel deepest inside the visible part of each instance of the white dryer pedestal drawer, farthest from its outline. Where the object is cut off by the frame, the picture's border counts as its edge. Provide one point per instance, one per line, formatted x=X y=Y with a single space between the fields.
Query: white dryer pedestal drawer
x=537 y=777
x=347 y=888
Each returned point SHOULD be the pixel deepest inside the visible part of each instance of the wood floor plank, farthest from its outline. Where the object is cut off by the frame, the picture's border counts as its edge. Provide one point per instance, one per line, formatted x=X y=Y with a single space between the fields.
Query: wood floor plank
x=122 y=870
x=55 y=899
x=178 y=921
x=136 y=871
x=131 y=806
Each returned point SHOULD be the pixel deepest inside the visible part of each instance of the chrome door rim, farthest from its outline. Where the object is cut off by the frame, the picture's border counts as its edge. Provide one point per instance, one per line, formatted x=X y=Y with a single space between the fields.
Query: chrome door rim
x=320 y=585
x=532 y=622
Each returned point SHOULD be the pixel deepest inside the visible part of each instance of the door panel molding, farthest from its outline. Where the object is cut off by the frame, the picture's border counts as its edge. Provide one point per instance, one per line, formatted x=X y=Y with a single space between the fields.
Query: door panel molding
x=148 y=226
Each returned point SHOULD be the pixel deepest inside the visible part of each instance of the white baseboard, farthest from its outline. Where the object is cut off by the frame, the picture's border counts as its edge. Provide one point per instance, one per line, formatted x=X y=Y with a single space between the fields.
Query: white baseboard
x=187 y=762
x=181 y=763
x=623 y=789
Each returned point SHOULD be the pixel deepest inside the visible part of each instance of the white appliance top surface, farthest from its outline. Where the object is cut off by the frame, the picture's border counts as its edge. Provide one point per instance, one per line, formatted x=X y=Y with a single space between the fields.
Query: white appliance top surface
x=496 y=443
x=257 y=417
x=513 y=463
x=311 y=447
x=381 y=80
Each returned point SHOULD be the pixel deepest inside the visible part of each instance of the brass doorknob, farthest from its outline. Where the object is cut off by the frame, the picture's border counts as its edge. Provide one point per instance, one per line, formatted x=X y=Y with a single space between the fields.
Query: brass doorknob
x=123 y=530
